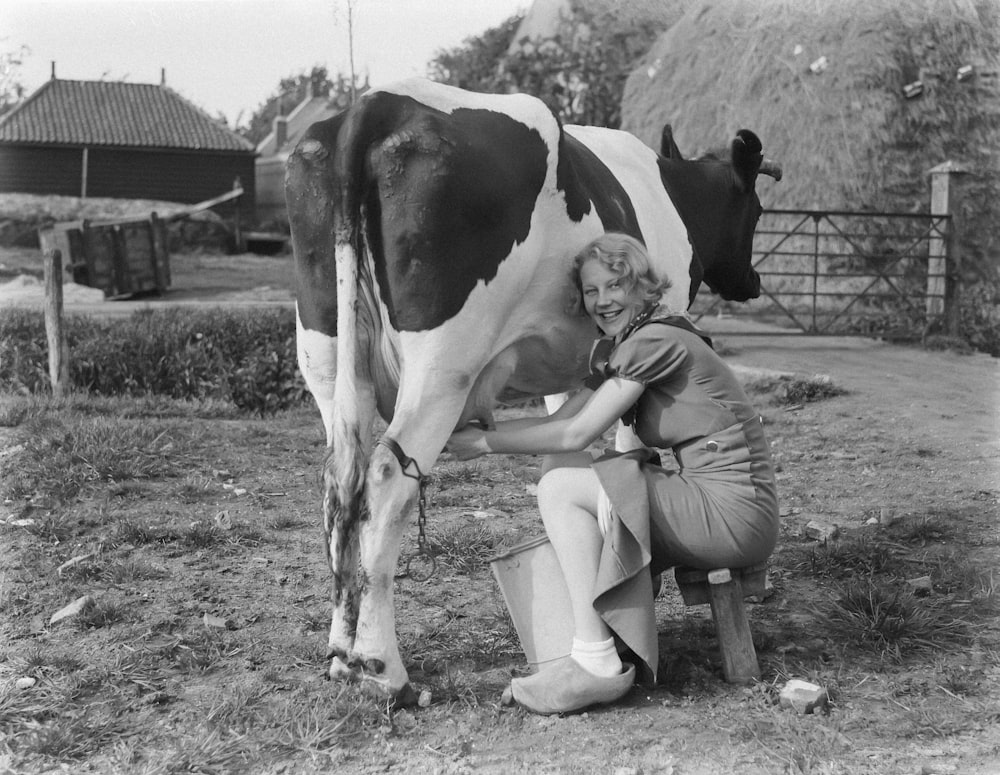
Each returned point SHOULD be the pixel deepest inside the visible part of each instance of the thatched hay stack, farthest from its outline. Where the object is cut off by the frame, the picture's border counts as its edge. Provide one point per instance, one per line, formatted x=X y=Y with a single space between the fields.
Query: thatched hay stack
x=656 y=13
x=847 y=136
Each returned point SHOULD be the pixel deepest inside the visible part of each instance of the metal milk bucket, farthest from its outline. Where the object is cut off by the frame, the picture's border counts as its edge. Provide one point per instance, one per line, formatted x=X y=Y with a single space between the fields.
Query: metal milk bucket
x=536 y=595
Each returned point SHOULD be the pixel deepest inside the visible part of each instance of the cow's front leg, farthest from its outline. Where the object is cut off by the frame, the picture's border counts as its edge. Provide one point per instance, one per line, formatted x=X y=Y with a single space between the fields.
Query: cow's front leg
x=391 y=495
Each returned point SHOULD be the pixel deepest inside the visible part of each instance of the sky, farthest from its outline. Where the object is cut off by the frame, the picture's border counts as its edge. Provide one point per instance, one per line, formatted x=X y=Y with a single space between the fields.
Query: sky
x=228 y=56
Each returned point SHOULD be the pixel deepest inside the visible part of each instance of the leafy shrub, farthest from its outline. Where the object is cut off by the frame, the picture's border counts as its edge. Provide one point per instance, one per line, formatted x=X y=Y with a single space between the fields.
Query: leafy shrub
x=246 y=357
x=24 y=356
x=979 y=323
x=269 y=379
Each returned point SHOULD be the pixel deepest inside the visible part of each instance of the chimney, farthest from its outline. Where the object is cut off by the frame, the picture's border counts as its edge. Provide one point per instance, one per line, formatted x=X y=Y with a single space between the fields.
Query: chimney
x=53 y=69
x=280 y=131
x=163 y=76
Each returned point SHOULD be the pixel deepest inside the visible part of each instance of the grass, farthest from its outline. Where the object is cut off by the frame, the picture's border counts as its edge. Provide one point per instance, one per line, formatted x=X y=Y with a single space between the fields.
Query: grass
x=856 y=555
x=926 y=529
x=103 y=612
x=891 y=621
x=63 y=458
x=129 y=571
x=793 y=747
x=129 y=532
x=139 y=684
x=466 y=549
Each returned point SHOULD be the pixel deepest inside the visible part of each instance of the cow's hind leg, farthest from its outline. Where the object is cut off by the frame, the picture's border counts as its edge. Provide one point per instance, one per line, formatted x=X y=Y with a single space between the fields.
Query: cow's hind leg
x=343 y=488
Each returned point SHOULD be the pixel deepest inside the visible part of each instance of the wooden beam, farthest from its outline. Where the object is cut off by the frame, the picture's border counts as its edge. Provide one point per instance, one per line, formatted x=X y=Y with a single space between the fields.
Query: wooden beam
x=83 y=173
x=195 y=208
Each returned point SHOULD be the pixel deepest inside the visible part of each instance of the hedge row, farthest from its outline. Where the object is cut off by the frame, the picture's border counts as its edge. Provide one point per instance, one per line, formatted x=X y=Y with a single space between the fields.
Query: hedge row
x=247 y=357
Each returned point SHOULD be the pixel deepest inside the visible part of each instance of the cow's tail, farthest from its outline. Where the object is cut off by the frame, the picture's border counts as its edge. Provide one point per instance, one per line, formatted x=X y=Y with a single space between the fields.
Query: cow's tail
x=344 y=500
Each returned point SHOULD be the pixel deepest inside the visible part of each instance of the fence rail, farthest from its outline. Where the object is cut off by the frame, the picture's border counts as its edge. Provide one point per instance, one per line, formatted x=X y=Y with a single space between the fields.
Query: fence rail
x=829 y=272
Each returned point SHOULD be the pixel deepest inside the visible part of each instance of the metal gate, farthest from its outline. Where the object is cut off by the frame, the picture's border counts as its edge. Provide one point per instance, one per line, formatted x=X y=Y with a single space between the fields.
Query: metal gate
x=827 y=272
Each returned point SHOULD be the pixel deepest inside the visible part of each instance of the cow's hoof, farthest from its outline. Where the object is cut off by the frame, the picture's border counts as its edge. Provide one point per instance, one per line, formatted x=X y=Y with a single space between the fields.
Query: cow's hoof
x=340 y=671
x=405 y=697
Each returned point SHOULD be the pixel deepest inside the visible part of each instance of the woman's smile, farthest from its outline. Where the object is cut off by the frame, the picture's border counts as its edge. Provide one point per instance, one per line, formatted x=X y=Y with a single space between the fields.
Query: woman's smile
x=606 y=299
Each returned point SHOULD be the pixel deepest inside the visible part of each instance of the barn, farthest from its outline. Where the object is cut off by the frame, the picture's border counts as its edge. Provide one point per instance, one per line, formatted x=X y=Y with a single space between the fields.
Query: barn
x=121 y=140
x=273 y=151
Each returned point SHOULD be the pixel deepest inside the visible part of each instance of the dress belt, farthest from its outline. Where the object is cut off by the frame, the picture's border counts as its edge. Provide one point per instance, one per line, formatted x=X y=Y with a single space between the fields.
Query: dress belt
x=710 y=443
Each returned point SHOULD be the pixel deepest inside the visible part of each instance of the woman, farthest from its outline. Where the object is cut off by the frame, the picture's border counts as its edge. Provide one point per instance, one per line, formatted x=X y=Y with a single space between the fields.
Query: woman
x=615 y=519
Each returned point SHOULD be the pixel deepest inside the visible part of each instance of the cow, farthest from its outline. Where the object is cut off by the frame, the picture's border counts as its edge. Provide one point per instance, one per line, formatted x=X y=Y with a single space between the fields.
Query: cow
x=433 y=230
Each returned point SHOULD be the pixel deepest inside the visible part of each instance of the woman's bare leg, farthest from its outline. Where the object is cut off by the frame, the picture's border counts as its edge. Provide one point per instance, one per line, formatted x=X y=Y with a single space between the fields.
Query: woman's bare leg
x=567 y=498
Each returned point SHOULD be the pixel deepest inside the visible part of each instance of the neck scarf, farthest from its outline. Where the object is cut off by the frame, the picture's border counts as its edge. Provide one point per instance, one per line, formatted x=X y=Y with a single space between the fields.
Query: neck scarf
x=651 y=313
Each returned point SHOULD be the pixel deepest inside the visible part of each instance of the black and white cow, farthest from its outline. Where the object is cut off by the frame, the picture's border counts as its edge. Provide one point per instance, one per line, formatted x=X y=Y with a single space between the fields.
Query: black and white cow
x=433 y=230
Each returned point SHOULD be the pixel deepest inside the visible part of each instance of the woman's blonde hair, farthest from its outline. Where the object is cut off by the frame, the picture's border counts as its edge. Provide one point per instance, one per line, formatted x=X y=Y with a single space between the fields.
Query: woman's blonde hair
x=626 y=257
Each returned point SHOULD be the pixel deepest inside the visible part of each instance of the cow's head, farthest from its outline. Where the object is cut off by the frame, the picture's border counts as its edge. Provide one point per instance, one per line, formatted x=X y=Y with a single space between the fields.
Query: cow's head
x=716 y=197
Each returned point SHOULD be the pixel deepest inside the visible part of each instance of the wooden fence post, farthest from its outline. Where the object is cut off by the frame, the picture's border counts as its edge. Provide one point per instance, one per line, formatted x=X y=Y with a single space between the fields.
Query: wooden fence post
x=54 y=333
x=240 y=246
x=944 y=254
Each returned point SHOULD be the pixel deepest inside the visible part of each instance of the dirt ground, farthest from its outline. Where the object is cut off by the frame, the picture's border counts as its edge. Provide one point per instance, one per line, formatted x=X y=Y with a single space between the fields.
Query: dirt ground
x=913 y=440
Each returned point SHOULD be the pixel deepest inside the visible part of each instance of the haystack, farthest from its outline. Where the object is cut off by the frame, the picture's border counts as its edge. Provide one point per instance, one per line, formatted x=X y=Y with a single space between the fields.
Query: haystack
x=832 y=90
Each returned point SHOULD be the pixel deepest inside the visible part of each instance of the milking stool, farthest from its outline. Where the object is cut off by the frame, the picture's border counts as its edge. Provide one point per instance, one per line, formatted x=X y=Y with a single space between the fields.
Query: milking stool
x=724 y=589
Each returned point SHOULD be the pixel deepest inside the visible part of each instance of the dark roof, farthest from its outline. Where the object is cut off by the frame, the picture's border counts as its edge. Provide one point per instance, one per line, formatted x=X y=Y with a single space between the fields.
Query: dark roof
x=305 y=114
x=107 y=113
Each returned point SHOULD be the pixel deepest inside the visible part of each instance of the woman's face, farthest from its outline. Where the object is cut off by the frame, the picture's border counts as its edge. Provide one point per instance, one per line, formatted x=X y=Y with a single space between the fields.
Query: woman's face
x=605 y=298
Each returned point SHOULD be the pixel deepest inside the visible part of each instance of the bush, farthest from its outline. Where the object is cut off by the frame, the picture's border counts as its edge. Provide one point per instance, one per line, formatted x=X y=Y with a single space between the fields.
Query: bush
x=246 y=357
x=24 y=356
x=979 y=323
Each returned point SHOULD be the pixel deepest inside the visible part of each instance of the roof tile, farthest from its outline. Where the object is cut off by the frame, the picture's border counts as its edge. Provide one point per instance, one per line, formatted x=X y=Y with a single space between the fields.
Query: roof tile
x=96 y=113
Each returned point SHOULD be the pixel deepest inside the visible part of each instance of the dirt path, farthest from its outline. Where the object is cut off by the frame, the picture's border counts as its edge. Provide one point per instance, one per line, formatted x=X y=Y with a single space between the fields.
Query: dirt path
x=945 y=400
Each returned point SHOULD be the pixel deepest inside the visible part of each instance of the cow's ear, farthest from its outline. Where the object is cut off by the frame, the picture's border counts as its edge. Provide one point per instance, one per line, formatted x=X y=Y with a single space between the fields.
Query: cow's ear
x=668 y=148
x=747 y=157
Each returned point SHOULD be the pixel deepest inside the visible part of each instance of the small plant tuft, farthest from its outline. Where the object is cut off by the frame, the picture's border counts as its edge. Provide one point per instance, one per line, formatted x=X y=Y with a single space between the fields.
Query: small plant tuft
x=805 y=390
x=102 y=613
x=925 y=530
x=465 y=549
x=891 y=621
x=850 y=556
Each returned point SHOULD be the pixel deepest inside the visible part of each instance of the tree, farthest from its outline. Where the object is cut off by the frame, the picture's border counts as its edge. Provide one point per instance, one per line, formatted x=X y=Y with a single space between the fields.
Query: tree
x=292 y=90
x=477 y=64
x=579 y=72
x=11 y=89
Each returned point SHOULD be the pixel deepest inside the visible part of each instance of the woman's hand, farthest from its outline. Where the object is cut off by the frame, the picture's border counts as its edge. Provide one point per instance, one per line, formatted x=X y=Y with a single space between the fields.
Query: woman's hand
x=468 y=443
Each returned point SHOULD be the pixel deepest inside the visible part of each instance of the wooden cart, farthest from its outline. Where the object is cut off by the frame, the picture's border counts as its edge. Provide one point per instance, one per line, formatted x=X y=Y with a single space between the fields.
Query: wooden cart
x=122 y=258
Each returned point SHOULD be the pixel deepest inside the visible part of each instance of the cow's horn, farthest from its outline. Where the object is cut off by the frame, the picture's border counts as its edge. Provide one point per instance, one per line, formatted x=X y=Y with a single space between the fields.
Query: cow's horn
x=769 y=167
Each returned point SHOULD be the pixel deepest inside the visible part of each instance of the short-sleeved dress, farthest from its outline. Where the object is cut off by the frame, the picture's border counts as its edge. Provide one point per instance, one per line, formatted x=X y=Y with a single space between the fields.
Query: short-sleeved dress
x=719 y=510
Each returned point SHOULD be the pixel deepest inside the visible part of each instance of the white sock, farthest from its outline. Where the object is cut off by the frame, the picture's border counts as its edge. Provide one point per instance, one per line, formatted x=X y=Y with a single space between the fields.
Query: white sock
x=597 y=657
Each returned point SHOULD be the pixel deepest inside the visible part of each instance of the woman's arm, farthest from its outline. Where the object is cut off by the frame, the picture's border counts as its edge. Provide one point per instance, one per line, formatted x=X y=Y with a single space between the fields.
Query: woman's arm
x=572 y=428
x=570 y=407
